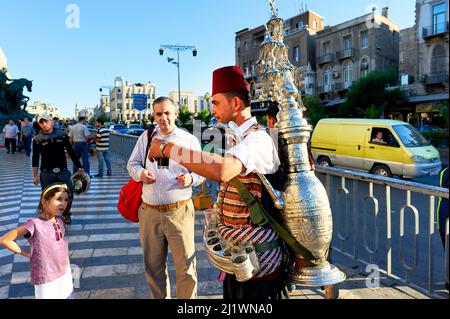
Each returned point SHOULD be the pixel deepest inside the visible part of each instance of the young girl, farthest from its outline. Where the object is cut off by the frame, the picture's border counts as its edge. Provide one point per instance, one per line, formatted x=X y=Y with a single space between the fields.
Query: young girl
x=49 y=256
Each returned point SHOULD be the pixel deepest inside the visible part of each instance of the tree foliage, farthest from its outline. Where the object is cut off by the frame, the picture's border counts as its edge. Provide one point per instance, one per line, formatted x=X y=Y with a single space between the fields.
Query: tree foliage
x=369 y=96
x=315 y=110
x=204 y=116
x=185 y=116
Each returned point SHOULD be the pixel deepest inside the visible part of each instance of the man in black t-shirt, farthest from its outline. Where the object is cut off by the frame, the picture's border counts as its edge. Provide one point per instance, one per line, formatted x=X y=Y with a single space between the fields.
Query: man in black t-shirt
x=49 y=147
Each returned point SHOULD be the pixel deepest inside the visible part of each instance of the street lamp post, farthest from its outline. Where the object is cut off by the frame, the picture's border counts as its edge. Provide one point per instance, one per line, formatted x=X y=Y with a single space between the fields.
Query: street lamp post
x=177 y=48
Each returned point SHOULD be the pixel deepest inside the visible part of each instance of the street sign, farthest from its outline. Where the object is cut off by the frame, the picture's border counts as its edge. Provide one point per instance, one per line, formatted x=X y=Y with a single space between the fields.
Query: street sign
x=140 y=101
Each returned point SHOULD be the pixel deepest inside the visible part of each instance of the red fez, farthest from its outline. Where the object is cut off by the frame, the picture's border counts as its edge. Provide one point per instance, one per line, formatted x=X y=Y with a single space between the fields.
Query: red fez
x=229 y=78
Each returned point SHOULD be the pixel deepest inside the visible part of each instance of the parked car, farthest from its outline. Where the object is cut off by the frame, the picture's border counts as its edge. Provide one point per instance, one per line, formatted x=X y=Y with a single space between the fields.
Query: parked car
x=109 y=125
x=135 y=129
x=355 y=144
x=119 y=128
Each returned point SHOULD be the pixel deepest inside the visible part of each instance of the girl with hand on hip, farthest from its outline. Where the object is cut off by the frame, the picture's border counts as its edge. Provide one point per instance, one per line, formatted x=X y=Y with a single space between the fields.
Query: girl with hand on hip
x=49 y=255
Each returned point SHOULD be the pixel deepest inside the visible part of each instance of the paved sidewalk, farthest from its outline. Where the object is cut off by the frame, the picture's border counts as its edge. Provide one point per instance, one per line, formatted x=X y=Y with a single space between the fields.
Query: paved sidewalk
x=105 y=250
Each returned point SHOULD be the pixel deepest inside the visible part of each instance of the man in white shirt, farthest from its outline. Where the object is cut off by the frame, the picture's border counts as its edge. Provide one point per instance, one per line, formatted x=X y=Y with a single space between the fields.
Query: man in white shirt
x=255 y=153
x=166 y=216
x=10 y=133
x=79 y=135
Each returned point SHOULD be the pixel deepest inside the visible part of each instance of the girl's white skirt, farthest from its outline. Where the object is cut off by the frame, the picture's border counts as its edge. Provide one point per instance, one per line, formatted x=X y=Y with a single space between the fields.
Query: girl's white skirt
x=60 y=288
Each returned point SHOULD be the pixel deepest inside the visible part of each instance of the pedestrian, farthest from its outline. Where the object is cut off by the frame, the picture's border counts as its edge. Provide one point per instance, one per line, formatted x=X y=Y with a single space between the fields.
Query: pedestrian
x=10 y=133
x=49 y=147
x=255 y=153
x=79 y=136
x=20 y=146
x=27 y=134
x=56 y=124
x=166 y=216
x=49 y=255
x=102 y=147
x=442 y=209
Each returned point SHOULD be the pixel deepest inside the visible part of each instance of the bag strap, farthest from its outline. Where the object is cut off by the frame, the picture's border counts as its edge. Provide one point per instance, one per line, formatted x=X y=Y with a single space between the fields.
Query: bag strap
x=260 y=217
x=149 y=139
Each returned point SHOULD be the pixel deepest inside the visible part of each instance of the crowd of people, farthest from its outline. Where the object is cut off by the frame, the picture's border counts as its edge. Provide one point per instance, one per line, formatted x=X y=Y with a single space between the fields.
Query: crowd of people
x=166 y=215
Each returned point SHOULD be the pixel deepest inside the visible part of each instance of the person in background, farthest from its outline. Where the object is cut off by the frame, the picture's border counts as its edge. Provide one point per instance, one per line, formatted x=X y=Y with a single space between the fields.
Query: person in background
x=49 y=147
x=79 y=136
x=102 y=147
x=379 y=138
x=27 y=134
x=10 y=132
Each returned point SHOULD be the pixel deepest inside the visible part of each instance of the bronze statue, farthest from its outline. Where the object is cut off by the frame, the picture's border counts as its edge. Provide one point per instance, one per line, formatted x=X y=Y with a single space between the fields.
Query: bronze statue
x=11 y=94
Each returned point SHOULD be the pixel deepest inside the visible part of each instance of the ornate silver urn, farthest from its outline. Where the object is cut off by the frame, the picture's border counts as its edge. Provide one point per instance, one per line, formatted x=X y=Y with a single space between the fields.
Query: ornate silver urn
x=306 y=213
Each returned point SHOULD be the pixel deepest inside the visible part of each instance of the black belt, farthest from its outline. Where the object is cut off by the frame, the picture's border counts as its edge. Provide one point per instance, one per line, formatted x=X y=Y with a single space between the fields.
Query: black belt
x=53 y=170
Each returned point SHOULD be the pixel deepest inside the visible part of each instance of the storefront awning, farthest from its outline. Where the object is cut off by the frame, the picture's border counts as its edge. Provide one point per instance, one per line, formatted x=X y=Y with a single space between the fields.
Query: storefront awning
x=334 y=102
x=428 y=98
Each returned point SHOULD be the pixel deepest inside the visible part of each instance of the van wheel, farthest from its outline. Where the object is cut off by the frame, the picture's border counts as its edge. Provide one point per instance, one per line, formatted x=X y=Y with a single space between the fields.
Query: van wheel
x=381 y=170
x=324 y=161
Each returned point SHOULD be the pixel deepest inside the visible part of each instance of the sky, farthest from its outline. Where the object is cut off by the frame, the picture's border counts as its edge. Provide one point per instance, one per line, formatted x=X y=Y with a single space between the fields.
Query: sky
x=69 y=59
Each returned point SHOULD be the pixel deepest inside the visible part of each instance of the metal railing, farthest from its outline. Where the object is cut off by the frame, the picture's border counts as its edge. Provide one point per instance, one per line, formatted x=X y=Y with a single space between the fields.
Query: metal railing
x=434 y=78
x=405 y=246
x=377 y=220
x=325 y=58
x=435 y=29
x=347 y=53
x=121 y=145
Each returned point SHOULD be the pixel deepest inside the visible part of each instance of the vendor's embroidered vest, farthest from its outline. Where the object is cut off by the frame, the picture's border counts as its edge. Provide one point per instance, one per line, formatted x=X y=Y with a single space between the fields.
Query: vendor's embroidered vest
x=236 y=226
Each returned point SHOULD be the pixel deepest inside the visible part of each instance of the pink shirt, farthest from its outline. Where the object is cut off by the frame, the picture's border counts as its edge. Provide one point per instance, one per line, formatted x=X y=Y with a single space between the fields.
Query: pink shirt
x=49 y=256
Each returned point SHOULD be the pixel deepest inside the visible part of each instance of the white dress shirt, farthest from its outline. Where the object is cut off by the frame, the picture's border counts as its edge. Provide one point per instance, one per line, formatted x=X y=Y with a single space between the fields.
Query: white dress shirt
x=11 y=131
x=165 y=190
x=257 y=151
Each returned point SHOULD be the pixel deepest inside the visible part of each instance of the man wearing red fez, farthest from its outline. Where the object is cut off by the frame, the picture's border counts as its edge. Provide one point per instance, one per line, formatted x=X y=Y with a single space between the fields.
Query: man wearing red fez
x=254 y=153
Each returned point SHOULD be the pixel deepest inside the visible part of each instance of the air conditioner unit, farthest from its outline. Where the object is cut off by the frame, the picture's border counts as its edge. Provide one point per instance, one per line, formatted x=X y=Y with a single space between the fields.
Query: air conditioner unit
x=336 y=75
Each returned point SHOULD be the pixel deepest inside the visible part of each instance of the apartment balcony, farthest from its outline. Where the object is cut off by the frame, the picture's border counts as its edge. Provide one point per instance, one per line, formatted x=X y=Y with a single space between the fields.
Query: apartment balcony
x=344 y=54
x=435 y=30
x=325 y=58
x=436 y=78
x=325 y=89
x=343 y=85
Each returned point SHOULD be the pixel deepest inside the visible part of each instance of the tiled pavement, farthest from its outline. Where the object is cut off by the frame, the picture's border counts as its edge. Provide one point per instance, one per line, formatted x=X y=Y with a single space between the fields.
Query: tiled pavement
x=105 y=254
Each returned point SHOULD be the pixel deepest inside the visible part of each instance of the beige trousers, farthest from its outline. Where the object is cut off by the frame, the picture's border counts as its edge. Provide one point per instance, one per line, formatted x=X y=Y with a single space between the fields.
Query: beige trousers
x=157 y=232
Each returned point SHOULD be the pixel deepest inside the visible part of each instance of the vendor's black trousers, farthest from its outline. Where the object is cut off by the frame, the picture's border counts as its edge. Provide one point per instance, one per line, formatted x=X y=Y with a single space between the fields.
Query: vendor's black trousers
x=233 y=289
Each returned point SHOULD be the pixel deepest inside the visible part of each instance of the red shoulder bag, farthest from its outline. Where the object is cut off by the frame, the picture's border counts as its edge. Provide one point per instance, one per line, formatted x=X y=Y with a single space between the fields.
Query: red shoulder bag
x=130 y=197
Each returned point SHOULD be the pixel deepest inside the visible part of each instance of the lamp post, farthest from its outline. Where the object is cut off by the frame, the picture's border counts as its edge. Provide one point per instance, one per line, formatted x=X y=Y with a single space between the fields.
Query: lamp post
x=177 y=48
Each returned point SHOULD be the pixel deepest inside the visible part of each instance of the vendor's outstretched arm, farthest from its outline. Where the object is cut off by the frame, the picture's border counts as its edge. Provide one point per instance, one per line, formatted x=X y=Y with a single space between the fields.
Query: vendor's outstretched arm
x=208 y=165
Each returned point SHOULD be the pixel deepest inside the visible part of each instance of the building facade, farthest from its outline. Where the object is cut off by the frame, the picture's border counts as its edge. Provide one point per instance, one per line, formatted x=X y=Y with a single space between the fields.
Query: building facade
x=86 y=112
x=121 y=100
x=424 y=67
x=349 y=51
x=38 y=107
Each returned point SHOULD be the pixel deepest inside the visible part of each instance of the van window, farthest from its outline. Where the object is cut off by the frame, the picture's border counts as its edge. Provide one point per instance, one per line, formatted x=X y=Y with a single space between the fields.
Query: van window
x=383 y=136
x=409 y=136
